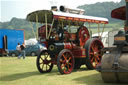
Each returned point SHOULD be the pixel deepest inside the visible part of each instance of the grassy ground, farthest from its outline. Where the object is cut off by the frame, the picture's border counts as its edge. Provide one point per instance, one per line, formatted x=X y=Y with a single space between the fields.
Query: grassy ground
x=15 y=71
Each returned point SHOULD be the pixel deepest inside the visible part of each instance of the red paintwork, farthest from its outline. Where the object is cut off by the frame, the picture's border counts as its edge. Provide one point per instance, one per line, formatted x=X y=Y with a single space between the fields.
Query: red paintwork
x=2 y=51
x=66 y=62
x=83 y=36
x=95 y=52
x=119 y=13
x=79 y=52
x=80 y=19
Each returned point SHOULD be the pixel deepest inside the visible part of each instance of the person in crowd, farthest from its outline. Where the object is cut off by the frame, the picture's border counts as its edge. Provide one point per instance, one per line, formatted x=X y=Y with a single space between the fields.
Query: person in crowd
x=19 y=50
x=22 y=47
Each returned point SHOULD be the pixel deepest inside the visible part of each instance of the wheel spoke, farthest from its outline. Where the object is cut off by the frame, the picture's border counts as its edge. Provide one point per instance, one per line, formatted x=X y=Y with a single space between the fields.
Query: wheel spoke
x=67 y=66
x=96 y=62
x=97 y=57
x=92 y=59
x=46 y=67
x=62 y=65
x=41 y=63
x=70 y=64
x=49 y=65
x=46 y=57
x=41 y=58
x=64 y=57
x=69 y=59
x=42 y=66
x=92 y=49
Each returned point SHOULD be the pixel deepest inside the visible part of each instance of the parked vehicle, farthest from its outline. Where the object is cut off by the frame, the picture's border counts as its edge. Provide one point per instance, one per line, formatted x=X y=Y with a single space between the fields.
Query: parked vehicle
x=30 y=50
x=9 y=39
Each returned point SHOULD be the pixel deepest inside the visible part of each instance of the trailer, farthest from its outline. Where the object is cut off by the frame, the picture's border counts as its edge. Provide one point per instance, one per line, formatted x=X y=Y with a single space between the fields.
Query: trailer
x=9 y=39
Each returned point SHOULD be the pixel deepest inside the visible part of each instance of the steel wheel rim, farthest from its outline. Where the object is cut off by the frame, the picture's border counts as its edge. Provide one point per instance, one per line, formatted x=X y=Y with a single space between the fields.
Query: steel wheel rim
x=45 y=62
x=95 y=53
x=66 y=62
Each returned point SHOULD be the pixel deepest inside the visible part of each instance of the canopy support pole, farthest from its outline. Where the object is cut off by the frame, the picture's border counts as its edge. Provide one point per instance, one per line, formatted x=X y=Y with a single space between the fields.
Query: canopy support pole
x=98 y=29
x=62 y=24
x=51 y=28
x=37 y=26
x=90 y=31
x=46 y=26
x=33 y=29
x=69 y=27
x=103 y=30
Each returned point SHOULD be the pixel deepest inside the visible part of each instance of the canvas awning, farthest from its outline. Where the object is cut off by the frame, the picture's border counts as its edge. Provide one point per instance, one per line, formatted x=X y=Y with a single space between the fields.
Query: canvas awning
x=40 y=16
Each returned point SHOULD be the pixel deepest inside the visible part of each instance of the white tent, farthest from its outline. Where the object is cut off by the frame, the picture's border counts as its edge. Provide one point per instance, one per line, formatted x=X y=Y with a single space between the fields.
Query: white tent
x=31 y=41
x=104 y=38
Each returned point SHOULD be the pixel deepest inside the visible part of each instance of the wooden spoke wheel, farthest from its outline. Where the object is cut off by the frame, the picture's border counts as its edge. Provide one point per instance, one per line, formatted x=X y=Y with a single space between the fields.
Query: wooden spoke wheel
x=93 y=52
x=82 y=35
x=65 y=62
x=44 y=63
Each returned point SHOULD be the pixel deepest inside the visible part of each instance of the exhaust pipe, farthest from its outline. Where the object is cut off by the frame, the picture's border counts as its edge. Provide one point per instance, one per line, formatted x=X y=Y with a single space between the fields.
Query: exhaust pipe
x=126 y=26
x=127 y=13
x=54 y=8
x=63 y=9
x=69 y=10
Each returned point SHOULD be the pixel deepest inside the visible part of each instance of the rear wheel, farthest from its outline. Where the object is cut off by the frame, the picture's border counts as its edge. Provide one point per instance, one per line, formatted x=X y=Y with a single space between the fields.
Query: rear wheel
x=33 y=54
x=65 y=62
x=93 y=52
x=44 y=63
x=13 y=54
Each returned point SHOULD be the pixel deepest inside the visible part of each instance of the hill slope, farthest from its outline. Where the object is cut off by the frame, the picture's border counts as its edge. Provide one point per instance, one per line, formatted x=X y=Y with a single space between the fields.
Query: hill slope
x=102 y=9
x=99 y=9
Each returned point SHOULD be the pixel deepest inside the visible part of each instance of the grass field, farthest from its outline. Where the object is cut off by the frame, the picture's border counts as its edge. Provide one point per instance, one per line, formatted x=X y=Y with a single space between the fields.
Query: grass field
x=15 y=71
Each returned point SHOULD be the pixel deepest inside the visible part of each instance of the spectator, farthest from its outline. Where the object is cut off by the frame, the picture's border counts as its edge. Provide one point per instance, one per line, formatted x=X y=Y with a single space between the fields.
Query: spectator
x=22 y=51
x=18 y=49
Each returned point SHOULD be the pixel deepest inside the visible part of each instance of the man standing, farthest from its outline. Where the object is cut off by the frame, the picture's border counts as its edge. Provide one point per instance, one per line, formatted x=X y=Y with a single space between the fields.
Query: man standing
x=19 y=50
x=23 y=50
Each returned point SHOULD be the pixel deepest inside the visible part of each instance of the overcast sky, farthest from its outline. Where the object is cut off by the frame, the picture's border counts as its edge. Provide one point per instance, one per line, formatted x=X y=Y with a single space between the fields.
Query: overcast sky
x=20 y=8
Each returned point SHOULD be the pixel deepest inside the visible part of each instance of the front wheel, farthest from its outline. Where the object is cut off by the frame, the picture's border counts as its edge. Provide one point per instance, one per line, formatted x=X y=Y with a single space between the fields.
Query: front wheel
x=65 y=62
x=93 y=52
x=44 y=62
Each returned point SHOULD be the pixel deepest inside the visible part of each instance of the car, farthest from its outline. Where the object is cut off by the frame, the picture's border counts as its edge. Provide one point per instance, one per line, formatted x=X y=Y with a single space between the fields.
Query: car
x=30 y=50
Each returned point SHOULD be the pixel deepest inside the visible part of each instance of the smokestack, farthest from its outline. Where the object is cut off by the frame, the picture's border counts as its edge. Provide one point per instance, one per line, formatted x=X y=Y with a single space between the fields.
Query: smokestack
x=54 y=8
x=127 y=13
x=126 y=26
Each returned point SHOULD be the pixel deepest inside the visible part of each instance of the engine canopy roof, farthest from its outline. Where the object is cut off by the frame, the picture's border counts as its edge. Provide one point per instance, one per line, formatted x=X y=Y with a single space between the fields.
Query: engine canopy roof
x=66 y=17
x=119 y=13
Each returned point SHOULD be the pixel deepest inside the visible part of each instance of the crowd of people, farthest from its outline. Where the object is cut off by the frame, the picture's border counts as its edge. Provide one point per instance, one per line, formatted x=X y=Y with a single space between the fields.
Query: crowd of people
x=21 y=50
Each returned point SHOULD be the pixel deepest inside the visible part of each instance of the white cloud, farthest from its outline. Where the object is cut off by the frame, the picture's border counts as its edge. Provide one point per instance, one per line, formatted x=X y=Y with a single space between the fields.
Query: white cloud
x=20 y=8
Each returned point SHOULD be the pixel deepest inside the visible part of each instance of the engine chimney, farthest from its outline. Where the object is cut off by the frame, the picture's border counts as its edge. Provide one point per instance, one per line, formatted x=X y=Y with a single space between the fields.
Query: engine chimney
x=127 y=13
x=63 y=8
x=126 y=25
x=126 y=22
x=54 y=8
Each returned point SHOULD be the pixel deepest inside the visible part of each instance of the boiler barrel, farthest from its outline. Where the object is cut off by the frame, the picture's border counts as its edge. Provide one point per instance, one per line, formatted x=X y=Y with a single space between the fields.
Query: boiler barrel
x=112 y=75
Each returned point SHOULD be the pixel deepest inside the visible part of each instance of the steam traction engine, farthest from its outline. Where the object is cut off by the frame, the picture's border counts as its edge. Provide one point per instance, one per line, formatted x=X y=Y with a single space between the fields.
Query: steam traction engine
x=69 y=43
x=114 y=63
